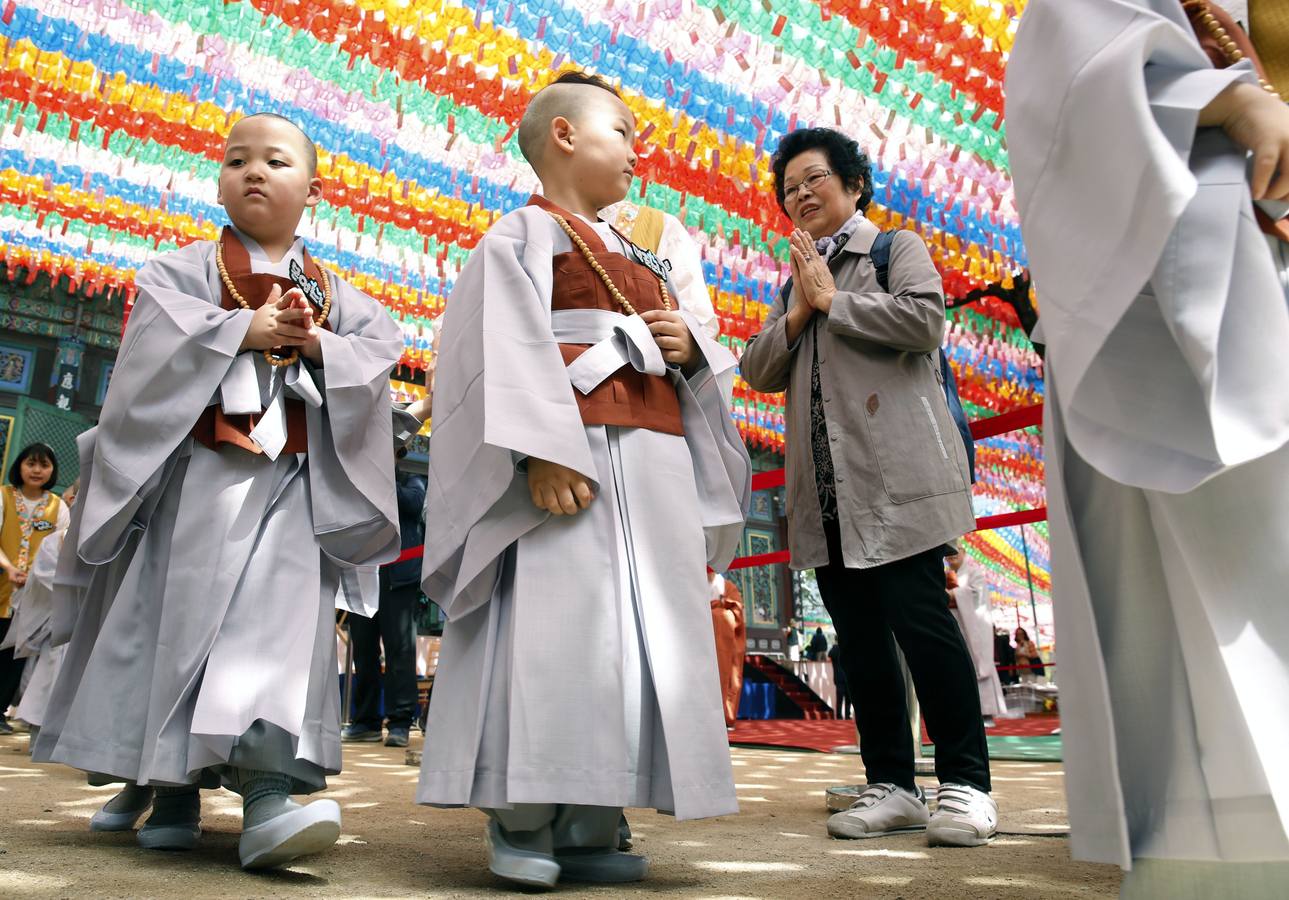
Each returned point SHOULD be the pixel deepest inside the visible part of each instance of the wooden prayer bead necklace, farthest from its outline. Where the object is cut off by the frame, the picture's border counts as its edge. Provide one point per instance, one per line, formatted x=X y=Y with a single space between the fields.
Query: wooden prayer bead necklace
x=604 y=276
x=277 y=361
x=1228 y=46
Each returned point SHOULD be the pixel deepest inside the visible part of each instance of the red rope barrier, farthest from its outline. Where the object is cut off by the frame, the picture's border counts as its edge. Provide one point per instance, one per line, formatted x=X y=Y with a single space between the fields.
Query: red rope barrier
x=1008 y=421
x=1007 y=520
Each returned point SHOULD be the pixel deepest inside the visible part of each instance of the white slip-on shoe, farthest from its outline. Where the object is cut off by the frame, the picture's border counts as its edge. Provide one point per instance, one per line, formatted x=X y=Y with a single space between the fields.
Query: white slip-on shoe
x=122 y=819
x=881 y=809
x=521 y=866
x=964 y=817
x=606 y=866
x=299 y=831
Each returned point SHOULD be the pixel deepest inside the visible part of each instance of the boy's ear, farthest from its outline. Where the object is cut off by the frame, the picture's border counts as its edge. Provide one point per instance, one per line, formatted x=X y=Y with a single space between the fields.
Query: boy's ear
x=315 y=192
x=563 y=133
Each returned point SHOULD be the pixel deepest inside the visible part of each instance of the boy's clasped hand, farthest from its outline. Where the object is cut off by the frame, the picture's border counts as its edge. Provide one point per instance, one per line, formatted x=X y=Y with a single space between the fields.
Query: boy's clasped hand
x=285 y=320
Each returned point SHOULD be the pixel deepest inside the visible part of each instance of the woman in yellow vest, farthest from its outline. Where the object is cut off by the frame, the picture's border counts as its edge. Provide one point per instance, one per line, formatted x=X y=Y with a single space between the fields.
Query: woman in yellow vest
x=29 y=513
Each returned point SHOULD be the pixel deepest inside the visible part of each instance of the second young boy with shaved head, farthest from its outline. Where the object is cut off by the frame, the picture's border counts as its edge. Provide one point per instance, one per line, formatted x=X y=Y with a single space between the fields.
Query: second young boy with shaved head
x=583 y=470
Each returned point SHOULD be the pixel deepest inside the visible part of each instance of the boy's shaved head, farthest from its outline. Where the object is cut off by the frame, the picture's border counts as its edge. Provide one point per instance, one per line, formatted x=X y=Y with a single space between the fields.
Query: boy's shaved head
x=306 y=142
x=568 y=96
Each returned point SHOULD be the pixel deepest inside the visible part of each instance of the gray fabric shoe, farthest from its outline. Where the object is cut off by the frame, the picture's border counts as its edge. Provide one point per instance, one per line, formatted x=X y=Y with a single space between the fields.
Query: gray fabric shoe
x=964 y=817
x=601 y=866
x=296 y=831
x=123 y=811
x=520 y=866
x=881 y=809
x=175 y=823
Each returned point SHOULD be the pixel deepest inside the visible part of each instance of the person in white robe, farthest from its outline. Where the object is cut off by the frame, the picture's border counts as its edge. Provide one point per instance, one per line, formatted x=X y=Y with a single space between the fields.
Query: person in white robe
x=667 y=236
x=577 y=674
x=975 y=617
x=1163 y=305
x=203 y=573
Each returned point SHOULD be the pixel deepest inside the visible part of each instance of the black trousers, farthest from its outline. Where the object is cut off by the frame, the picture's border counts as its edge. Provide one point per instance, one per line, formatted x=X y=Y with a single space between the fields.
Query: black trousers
x=395 y=625
x=842 y=707
x=10 y=670
x=904 y=603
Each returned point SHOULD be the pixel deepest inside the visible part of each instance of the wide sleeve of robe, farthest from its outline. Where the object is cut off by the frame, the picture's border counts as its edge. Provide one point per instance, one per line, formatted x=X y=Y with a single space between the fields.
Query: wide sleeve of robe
x=351 y=463
x=175 y=352
x=1158 y=295
x=502 y=394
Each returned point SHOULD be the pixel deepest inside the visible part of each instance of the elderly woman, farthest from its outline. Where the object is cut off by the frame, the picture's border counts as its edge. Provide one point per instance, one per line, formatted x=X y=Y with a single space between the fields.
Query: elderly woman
x=877 y=485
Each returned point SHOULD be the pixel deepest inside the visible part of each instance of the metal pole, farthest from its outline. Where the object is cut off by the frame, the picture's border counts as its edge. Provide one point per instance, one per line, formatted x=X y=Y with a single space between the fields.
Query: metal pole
x=1029 y=580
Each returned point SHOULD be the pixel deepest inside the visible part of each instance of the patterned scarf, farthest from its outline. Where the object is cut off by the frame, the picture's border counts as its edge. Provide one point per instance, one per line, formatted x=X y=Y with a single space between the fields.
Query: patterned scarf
x=829 y=247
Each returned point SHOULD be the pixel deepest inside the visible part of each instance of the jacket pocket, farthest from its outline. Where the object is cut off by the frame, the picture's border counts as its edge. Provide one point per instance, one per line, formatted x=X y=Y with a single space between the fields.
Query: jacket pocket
x=913 y=439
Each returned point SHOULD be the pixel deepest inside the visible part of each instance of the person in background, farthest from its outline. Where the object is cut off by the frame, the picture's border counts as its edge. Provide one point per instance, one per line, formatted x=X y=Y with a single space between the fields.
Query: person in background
x=969 y=599
x=1026 y=655
x=393 y=627
x=666 y=236
x=30 y=513
x=793 y=639
x=818 y=646
x=730 y=626
x=842 y=705
x=1005 y=658
x=29 y=633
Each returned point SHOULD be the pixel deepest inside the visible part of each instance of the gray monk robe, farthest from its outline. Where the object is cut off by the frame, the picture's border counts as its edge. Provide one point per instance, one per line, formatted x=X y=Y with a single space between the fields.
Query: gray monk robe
x=577 y=664
x=1166 y=437
x=205 y=579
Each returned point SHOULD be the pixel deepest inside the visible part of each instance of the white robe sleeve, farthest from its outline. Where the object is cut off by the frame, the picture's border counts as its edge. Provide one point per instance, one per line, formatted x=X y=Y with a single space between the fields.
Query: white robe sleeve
x=175 y=352
x=502 y=394
x=1161 y=308
x=351 y=459
x=680 y=249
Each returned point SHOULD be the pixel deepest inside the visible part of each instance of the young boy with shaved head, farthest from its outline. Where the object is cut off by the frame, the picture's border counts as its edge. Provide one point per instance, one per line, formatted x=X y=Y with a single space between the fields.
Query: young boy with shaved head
x=583 y=471
x=241 y=466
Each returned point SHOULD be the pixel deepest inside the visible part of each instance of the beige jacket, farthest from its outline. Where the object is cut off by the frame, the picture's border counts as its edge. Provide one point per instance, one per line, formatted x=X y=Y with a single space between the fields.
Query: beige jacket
x=901 y=471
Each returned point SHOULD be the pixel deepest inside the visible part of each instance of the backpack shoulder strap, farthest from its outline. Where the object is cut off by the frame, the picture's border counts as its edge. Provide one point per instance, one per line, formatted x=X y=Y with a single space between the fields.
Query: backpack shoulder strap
x=880 y=254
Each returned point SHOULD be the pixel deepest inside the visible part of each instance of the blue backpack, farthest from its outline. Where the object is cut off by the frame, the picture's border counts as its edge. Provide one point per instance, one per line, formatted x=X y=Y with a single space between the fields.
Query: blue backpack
x=880 y=254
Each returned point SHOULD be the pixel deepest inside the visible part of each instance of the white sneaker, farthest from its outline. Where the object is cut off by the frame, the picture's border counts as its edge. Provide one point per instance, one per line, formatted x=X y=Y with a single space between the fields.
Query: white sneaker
x=881 y=809
x=964 y=817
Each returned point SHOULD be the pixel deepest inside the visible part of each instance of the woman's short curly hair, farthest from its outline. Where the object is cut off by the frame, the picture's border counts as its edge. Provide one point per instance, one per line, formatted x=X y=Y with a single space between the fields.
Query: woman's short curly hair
x=845 y=157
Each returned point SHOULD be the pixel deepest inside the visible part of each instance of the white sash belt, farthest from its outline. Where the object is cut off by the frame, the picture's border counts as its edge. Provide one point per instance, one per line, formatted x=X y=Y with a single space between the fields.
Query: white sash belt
x=616 y=340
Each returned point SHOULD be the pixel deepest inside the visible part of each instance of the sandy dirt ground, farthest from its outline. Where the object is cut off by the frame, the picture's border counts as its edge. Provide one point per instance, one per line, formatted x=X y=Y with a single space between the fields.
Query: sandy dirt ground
x=775 y=848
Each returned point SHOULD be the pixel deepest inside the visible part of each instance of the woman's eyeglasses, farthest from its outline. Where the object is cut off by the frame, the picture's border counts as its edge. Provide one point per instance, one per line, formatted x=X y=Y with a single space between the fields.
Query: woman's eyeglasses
x=810 y=183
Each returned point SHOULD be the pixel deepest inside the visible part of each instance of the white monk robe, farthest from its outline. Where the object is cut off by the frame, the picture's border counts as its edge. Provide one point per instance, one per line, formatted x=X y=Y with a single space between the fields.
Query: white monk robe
x=29 y=631
x=203 y=583
x=577 y=664
x=976 y=619
x=1166 y=430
